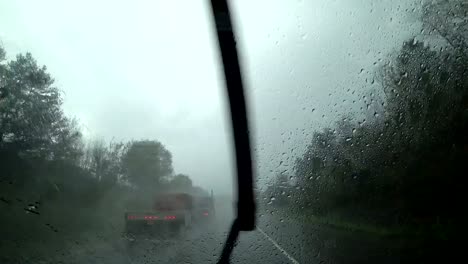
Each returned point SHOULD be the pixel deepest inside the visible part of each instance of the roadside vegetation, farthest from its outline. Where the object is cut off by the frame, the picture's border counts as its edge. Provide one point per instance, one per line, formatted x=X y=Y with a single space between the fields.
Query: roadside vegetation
x=55 y=186
x=400 y=168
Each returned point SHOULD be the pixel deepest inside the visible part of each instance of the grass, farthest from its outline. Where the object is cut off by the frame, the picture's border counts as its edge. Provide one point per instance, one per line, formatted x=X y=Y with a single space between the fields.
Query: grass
x=353 y=227
x=435 y=230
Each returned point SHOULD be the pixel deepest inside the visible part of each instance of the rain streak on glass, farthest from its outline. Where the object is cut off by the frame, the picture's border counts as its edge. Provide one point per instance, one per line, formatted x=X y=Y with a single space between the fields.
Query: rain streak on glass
x=367 y=100
x=115 y=139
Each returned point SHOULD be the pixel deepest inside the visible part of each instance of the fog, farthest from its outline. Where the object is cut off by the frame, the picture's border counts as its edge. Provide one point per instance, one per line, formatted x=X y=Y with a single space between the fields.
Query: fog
x=305 y=64
x=150 y=70
x=357 y=113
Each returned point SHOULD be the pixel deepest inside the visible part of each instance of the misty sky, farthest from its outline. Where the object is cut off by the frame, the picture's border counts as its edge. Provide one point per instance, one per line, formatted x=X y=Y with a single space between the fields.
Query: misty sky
x=150 y=70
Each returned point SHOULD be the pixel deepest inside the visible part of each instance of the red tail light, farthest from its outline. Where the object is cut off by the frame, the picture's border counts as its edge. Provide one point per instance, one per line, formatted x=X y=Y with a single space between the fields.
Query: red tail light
x=205 y=213
x=170 y=217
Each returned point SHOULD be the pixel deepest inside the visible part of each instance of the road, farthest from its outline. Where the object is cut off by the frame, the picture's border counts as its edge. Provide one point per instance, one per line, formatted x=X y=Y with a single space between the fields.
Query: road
x=277 y=239
x=200 y=245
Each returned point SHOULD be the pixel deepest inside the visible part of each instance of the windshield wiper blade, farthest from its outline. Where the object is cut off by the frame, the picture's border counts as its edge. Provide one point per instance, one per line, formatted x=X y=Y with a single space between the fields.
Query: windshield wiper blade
x=245 y=220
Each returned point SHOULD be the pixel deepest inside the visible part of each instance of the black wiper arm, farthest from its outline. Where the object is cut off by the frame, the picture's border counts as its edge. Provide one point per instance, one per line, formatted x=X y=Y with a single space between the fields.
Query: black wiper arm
x=245 y=220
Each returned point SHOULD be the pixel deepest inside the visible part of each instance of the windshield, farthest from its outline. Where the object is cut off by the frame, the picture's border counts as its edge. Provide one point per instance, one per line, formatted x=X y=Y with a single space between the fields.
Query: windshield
x=116 y=142
x=112 y=122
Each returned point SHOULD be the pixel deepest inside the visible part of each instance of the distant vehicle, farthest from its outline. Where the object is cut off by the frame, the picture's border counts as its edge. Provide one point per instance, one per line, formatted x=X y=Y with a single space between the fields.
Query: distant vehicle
x=204 y=209
x=171 y=214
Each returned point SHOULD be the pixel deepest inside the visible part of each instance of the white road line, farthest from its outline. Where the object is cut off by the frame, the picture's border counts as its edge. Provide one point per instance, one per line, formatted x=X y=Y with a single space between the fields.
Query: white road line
x=278 y=246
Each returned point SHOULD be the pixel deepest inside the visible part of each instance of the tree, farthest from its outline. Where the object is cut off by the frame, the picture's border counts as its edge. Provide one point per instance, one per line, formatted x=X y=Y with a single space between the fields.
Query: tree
x=181 y=182
x=104 y=162
x=2 y=54
x=32 y=122
x=146 y=163
x=411 y=160
x=67 y=141
x=447 y=20
x=278 y=192
x=199 y=191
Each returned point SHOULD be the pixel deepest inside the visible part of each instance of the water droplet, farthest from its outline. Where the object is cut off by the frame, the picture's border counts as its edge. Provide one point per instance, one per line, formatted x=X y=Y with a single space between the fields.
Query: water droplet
x=31 y=209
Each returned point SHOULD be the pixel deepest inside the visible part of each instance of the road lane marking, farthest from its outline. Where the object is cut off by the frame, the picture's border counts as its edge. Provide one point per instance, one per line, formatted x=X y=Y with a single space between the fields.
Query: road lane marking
x=278 y=246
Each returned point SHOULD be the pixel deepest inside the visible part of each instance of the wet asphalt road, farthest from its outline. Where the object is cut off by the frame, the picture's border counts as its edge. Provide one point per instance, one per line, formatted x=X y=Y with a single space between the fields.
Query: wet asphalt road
x=277 y=240
x=200 y=245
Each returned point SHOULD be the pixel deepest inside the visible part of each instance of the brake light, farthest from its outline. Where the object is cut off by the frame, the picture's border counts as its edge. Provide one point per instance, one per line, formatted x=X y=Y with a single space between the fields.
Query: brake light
x=130 y=217
x=170 y=217
x=205 y=214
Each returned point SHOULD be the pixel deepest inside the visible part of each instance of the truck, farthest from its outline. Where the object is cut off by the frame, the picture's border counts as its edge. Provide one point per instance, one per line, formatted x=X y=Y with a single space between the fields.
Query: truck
x=171 y=214
x=204 y=209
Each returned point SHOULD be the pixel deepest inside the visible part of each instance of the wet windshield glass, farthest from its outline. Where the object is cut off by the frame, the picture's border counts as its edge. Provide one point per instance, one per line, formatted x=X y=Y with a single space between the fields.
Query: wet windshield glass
x=360 y=127
x=116 y=142
x=113 y=133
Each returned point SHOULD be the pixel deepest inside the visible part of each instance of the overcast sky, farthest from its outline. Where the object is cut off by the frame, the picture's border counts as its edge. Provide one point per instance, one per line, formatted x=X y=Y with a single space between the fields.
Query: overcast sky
x=150 y=70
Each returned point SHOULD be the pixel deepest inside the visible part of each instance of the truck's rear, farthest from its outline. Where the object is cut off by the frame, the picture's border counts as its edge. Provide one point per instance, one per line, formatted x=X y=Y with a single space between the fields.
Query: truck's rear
x=171 y=214
x=203 y=209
